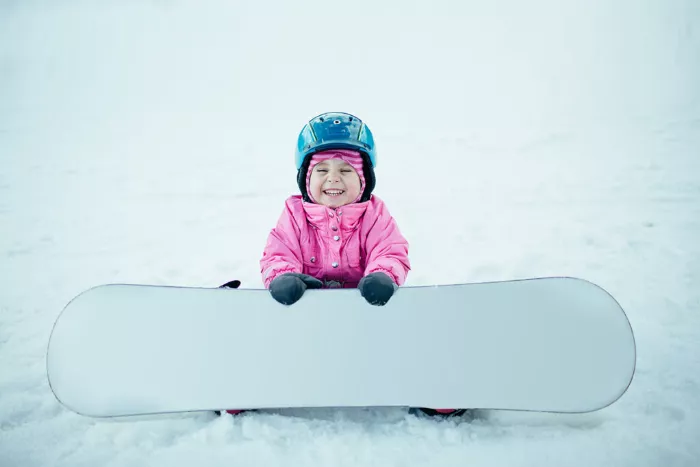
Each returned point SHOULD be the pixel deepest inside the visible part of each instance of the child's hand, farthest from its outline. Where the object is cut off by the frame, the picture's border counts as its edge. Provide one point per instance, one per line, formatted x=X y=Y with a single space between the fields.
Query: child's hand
x=377 y=288
x=289 y=287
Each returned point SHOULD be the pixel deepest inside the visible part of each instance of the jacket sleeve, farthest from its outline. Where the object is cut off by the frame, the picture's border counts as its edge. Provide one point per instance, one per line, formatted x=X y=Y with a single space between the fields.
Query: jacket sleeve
x=282 y=252
x=386 y=248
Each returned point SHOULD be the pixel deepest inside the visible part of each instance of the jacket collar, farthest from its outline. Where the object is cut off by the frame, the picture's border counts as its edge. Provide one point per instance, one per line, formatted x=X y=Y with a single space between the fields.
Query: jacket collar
x=347 y=217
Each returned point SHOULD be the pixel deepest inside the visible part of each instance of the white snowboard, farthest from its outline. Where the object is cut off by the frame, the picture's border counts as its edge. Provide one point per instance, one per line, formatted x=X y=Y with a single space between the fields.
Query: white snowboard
x=548 y=344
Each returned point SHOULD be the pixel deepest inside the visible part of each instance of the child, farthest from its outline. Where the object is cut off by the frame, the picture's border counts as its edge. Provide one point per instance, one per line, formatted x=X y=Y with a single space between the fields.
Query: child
x=335 y=233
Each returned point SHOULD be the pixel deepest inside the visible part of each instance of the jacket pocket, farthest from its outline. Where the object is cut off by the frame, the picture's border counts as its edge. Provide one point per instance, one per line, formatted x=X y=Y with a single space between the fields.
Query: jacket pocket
x=312 y=260
x=313 y=266
x=353 y=251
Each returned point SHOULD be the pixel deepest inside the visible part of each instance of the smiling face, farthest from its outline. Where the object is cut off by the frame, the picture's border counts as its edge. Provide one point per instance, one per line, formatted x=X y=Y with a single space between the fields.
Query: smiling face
x=334 y=183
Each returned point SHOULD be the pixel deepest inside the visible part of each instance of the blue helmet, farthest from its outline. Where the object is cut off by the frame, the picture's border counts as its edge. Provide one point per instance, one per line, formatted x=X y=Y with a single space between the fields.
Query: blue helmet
x=336 y=130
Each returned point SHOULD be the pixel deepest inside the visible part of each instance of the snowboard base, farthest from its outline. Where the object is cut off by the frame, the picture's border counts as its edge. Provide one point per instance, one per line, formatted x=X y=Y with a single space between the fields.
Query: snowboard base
x=548 y=344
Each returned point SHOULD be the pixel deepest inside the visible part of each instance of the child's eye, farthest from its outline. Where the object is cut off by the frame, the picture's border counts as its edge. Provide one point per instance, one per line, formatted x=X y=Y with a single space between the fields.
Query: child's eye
x=346 y=170
x=321 y=170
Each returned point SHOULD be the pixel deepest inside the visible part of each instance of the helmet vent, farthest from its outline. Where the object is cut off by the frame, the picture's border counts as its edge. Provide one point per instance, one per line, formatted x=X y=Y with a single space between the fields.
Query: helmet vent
x=336 y=122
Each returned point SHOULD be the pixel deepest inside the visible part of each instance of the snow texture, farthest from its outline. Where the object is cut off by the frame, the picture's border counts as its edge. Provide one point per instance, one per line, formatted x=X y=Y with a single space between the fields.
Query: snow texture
x=152 y=142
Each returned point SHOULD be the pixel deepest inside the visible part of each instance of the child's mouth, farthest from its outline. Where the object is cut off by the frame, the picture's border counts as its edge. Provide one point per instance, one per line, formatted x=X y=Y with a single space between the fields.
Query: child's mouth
x=333 y=192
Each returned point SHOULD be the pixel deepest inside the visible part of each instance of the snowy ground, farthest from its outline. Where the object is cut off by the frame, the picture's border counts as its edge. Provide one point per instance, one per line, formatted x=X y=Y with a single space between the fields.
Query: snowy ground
x=151 y=142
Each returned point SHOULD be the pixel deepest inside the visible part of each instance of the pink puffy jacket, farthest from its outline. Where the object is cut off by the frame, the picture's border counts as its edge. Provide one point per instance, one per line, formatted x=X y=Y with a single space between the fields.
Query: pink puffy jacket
x=337 y=246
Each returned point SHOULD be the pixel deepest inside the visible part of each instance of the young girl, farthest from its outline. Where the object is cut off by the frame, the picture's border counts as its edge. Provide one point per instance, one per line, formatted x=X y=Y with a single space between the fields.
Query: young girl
x=336 y=233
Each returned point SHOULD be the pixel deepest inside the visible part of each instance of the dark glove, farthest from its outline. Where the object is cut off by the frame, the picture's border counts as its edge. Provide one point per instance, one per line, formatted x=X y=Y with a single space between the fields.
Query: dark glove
x=377 y=288
x=289 y=287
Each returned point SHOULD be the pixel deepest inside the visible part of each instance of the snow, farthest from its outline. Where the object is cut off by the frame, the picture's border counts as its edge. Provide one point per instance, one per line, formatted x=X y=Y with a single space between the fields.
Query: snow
x=151 y=142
